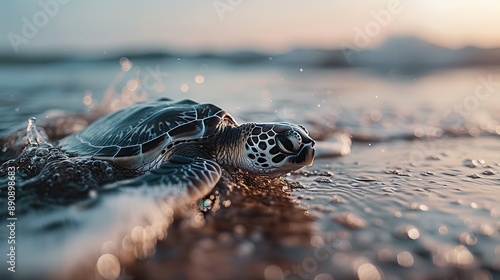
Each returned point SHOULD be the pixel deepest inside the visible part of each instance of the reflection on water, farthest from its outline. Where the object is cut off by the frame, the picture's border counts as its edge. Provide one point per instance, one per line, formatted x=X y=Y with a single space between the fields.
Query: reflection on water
x=416 y=196
x=420 y=221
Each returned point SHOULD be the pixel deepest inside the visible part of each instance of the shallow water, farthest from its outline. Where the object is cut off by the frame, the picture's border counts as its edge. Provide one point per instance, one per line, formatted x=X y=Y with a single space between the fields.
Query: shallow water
x=439 y=218
x=417 y=197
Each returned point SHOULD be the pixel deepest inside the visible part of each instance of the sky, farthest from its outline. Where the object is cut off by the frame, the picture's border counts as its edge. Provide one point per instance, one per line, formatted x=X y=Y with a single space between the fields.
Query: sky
x=100 y=26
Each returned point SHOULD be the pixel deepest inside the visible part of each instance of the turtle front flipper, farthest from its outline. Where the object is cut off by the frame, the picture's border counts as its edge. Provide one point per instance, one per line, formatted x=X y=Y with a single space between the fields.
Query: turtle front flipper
x=179 y=176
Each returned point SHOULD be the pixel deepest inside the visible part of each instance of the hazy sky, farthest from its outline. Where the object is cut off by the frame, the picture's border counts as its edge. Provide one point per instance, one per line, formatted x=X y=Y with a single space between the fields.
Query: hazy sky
x=105 y=26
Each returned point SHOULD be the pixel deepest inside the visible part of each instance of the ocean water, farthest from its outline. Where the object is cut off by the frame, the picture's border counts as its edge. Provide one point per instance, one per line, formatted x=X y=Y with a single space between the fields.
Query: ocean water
x=406 y=183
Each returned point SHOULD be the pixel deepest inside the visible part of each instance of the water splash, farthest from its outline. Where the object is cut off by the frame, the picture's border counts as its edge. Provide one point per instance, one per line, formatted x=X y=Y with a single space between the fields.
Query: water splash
x=131 y=92
x=35 y=136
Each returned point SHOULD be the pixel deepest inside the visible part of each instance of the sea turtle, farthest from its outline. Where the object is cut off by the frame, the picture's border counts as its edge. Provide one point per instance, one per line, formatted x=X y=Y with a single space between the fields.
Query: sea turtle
x=126 y=170
x=184 y=144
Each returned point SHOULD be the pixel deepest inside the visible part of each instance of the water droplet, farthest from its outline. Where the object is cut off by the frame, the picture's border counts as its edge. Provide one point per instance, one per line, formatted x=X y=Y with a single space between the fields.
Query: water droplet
x=108 y=267
x=132 y=85
x=125 y=64
x=32 y=135
x=199 y=79
x=41 y=152
x=419 y=132
x=87 y=99
x=92 y=194
x=273 y=272
x=405 y=259
x=368 y=271
x=137 y=234
x=323 y=276
x=459 y=256
x=418 y=207
x=239 y=230
x=350 y=220
x=226 y=203
x=206 y=205
x=385 y=255
x=317 y=241
x=109 y=172
x=184 y=88
x=245 y=249
x=407 y=232
x=443 y=230
x=467 y=238
x=486 y=230
x=109 y=247
x=56 y=176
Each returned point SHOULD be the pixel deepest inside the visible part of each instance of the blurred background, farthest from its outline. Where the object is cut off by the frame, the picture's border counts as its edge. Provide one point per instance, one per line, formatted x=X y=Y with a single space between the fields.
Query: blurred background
x=372 y=52
x=96 y=27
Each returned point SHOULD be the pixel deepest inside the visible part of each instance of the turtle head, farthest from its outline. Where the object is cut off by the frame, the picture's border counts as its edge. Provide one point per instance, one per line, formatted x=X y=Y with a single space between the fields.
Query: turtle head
x=276 y=148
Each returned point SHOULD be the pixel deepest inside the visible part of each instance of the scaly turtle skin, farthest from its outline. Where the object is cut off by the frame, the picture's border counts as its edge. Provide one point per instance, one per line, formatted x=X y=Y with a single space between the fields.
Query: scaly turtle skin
x=184 y=144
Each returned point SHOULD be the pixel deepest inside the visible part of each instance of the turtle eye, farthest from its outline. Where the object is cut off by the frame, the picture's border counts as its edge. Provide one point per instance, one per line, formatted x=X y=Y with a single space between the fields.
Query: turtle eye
x=288 y=143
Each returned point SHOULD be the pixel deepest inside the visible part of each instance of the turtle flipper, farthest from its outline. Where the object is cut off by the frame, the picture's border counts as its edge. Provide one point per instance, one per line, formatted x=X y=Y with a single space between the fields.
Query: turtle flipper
x=138 y=202
x=179 y=176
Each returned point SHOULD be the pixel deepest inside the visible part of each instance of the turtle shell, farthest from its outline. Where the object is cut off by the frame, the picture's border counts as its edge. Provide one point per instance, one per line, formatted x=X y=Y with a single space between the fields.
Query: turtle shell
x=135 y=136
